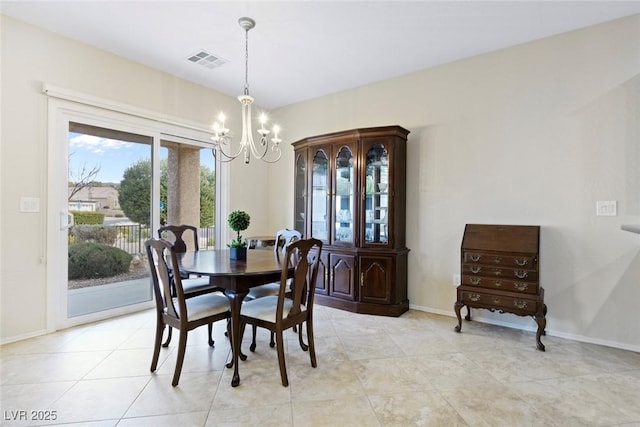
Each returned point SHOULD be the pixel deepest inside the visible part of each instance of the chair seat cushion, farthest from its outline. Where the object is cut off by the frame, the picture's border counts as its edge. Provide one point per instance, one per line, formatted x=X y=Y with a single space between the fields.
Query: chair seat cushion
x=206 y=305
x=265 y=308
x=196 y=285
x=267 y=290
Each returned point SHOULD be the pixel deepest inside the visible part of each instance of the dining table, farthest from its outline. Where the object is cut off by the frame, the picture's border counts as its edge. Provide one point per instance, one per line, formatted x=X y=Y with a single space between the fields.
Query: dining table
x=236 y=277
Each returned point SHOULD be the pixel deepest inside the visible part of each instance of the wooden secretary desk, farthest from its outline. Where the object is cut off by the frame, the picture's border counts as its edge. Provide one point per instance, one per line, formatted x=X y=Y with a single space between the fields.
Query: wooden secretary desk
x=350 y=192
x=500 y=272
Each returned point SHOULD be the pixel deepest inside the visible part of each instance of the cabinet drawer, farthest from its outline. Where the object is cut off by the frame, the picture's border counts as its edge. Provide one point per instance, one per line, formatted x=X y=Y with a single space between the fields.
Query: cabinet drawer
x=499 y=284
x=503 y=260
x=518 y=304
x=500 y=272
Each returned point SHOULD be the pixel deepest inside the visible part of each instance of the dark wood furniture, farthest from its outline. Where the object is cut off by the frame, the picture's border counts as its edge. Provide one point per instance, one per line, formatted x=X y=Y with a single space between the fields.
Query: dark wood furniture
x=293 y=305
x=174 y=309
x=350 y=193
x=500 y=272
x=236 y=277
x=185 y=237
x=280 y=241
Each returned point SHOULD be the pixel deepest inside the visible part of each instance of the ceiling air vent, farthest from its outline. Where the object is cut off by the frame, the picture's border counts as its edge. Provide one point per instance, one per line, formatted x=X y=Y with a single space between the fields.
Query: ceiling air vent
x=206 y=59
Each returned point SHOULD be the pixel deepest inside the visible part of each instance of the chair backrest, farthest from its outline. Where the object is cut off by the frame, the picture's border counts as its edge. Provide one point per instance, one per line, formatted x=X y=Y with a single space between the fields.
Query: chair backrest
x=283 y=238
x=179 y=235
x=304 y=255
x=157 y=251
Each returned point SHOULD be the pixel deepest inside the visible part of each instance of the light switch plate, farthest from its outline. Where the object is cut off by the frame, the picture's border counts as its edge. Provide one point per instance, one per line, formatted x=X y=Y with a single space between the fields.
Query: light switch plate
x=29 y=204
x=606 y=208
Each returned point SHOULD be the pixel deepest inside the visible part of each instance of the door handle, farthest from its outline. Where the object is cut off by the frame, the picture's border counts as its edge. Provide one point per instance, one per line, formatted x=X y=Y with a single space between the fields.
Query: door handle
x=67 y=220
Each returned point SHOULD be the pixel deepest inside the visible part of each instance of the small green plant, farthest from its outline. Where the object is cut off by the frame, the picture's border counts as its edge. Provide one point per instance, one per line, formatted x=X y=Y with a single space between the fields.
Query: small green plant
x=87 y=217
x=94 y=233
x=238 y=221
x=89 y=260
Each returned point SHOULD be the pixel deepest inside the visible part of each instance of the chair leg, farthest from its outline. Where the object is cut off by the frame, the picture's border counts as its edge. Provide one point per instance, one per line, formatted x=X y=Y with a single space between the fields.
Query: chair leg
x=252 y=347
x=312 y=347
x=166 y=343
x=303 y=346
x=281 y=361
x=181 y=349
x=156 y=345
x=210 y=328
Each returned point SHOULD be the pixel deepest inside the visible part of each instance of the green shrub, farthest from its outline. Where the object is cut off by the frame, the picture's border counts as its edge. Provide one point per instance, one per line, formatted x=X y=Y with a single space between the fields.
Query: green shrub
x=90 y=260
x=87 y=217
x=95 y=233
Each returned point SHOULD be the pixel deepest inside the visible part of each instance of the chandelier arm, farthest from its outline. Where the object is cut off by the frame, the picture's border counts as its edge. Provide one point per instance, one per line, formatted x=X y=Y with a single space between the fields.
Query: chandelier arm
x=264 y=159
x=220 y=147
x=219 y=159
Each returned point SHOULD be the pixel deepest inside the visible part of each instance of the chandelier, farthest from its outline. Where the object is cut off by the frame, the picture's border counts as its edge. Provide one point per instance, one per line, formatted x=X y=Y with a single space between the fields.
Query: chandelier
x=221 y=139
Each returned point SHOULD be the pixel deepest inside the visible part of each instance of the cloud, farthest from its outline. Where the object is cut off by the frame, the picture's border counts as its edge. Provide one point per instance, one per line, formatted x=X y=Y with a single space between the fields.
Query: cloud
x=97 y=145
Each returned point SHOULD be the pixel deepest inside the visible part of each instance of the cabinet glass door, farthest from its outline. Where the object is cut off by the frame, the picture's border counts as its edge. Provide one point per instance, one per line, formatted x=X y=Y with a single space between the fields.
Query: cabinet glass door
x=319 y=196
x=376 y=204
x=300 y=194
x=344 y=197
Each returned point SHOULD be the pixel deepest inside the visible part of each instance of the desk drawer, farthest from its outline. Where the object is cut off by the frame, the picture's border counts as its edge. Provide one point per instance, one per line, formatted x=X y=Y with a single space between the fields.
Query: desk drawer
x=528 y=261
x=518 y=304
x=518 y=286
x=500 y=272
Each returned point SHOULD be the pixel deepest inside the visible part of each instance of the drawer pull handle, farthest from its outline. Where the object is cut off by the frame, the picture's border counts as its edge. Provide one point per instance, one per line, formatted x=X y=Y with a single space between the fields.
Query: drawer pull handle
x=497 y=283
x=520 y=304
x=497 y=272
x=520 y=286
x=474 y=257
x=475 y=280
x=521 y=274
x=497 y=260
x=475 y=269
x=474 y=297
x=521 y=261
x=496 y=301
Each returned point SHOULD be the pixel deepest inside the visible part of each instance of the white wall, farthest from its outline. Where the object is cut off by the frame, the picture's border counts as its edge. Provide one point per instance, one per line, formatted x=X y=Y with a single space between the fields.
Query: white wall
x=533 y=134
x=31 y=57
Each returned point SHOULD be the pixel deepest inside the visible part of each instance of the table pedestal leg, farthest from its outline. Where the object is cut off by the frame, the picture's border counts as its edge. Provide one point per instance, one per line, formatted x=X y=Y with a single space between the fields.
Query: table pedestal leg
x=235 y=303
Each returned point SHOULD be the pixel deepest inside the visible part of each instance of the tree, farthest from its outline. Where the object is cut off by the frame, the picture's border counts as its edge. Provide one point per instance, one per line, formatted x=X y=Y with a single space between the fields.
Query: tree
x=135 y=192
x=81 y=178
x=207 y=196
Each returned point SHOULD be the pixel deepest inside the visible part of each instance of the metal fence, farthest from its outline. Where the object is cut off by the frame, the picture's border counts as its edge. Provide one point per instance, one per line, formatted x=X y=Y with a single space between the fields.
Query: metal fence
x=131 y=238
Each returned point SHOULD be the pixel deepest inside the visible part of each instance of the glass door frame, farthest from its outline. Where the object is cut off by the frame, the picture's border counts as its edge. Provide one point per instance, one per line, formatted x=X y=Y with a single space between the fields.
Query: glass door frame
x=62 y=110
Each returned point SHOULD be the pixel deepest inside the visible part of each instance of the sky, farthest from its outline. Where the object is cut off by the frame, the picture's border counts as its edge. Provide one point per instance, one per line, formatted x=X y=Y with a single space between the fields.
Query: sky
x=111 y=156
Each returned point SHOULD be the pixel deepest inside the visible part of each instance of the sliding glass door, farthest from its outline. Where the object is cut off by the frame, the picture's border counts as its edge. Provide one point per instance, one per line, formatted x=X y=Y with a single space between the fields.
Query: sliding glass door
x=114 y=179
x=109 y=186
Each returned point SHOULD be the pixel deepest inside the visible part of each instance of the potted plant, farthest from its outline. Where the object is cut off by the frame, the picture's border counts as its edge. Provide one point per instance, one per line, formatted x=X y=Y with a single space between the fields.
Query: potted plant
x=238 y=221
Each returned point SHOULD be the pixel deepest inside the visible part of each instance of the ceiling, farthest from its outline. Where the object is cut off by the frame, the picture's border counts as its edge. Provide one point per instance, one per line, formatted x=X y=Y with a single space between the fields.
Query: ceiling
x=305 y=49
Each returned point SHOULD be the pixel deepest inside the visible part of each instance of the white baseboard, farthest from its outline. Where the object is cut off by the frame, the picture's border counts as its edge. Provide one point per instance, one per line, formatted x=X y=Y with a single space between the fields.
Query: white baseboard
x=16 y=338
x=573 y=337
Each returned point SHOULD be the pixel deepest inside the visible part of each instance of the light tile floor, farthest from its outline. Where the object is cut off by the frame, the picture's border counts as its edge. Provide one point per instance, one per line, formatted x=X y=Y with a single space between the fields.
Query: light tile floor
x=372 y=371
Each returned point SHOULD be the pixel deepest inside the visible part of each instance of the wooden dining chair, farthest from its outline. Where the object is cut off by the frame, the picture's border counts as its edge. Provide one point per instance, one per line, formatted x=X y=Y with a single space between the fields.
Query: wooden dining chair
x=183 y=238
x=177 y=311
x=283 y=238
x=289 y=308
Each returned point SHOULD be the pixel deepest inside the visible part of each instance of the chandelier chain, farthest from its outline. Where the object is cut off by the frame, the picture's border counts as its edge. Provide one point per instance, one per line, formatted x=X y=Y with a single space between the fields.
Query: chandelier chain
x=246 y=62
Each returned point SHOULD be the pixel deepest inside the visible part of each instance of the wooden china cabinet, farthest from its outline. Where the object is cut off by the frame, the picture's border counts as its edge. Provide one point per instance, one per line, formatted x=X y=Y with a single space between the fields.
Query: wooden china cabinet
x=350 y=192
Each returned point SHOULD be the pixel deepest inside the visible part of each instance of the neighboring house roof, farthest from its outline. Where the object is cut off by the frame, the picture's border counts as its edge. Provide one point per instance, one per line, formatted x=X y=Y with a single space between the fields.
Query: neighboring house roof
x=93 y=193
